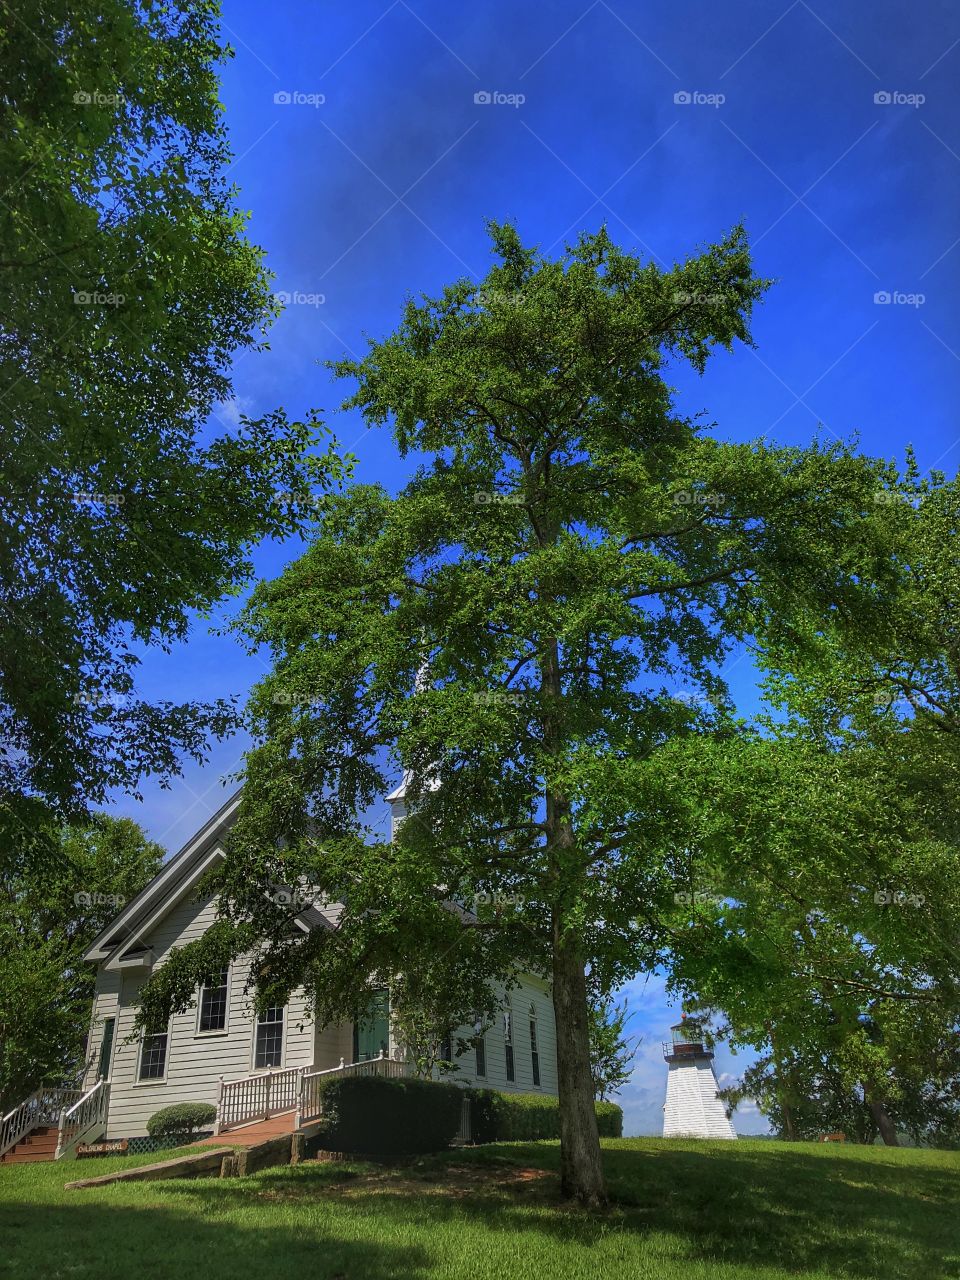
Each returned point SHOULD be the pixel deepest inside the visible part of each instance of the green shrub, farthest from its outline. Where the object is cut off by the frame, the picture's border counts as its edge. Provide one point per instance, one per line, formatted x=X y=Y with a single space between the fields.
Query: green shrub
x=609 y=1119
x=513 y=1117
x=378 y=1116
x=182 y=1120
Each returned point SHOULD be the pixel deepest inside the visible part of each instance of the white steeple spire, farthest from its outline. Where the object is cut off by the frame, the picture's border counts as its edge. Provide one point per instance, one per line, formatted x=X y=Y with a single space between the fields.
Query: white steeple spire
x=396 y=798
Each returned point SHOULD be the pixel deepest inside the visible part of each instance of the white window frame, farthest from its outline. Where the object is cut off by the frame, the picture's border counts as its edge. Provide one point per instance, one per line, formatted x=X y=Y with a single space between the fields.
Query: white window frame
x=221 y=1031
x=154 y=1080
x=254 y=1069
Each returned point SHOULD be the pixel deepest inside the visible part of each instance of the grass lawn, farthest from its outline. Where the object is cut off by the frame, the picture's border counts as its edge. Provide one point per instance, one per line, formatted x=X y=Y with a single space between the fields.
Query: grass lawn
x=725 y=1210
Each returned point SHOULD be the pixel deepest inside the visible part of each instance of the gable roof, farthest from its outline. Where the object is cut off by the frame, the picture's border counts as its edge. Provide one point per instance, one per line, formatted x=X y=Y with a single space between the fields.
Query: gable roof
x=175 y=878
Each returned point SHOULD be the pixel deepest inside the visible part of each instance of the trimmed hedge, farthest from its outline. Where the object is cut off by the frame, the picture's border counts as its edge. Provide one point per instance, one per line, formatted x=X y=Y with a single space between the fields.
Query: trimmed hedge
x=380 y=1116
x=182 y=1120
x=510 y=1117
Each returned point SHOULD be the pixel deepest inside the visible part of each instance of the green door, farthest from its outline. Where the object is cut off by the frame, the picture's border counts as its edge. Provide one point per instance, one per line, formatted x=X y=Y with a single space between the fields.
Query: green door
x=106 y=1048
x=372 y=1033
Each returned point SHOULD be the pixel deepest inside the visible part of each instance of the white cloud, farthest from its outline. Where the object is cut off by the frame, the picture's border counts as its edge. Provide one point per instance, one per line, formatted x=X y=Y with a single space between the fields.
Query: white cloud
x=230 y=411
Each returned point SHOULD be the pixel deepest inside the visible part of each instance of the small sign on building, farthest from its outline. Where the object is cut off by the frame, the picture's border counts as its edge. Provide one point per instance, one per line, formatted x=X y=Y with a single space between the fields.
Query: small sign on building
x=117 y=1148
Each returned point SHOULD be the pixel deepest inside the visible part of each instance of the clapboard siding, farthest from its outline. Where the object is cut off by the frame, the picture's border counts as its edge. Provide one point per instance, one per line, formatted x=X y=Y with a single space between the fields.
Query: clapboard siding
x=693 y=1108
x=106 y=1003
x=331 y=1044
x=195 y=1063
x=530 y=992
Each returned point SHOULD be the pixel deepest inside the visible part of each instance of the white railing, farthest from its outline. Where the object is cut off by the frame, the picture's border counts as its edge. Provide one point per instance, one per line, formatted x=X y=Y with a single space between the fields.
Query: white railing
x=85 y=1121
x=43 y=1107
x=310 y=1105
x=297 y=1089
x=257 y=1097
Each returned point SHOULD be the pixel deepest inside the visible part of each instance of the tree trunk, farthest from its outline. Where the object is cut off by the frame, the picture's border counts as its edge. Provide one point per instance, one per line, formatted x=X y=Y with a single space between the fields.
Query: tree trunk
x=881 y=1119
x=783 y=1086
x=789 y=1128
x=581 y=1168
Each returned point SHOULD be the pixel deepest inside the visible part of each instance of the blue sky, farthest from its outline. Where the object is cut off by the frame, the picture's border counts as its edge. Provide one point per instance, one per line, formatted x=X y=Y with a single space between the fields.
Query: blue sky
x=369 y=168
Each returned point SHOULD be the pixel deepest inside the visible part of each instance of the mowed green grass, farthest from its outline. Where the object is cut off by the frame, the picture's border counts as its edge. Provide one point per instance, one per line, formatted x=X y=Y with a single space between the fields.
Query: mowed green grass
x=724 y=1210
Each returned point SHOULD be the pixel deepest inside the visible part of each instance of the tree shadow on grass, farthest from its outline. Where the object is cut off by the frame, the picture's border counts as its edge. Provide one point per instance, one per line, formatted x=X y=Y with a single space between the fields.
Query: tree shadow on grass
x=799 y=1210
x=148 y=1236
x=677 y=1206
x=803 y=1210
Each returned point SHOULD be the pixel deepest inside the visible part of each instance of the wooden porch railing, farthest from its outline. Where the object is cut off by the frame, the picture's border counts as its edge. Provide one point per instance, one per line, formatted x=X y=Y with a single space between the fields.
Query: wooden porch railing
x=296 y=1089
x=310 y=1105
x=85 y=1121
x=43 y=1107
x=257 y=1097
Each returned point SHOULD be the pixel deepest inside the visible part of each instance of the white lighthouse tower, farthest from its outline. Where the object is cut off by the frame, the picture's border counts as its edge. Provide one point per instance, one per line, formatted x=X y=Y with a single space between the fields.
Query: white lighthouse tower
x=692 y=1109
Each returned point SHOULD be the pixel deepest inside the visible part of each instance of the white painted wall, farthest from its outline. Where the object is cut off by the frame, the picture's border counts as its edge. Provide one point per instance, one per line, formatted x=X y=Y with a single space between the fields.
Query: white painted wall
x=195 y=1062
x=533 y=992
x=693 y=1109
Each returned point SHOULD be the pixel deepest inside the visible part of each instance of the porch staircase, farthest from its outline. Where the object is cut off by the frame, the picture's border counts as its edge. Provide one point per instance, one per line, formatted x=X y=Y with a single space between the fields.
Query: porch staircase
x=39 y=1144
x=51 y=1124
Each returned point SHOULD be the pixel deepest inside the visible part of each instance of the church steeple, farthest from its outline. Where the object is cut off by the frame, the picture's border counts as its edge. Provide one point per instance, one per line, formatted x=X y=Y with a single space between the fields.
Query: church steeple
x=397 y=798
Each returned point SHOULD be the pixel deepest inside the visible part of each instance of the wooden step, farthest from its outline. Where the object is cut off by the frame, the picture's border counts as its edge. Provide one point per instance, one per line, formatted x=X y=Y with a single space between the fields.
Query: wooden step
x=38 y=1144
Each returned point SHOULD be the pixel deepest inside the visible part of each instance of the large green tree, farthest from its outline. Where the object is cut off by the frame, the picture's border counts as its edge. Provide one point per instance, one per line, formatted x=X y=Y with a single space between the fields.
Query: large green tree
x=51 y=909
x=512 y=630
x=832 y=939
x=820 y=913
x=129 y=287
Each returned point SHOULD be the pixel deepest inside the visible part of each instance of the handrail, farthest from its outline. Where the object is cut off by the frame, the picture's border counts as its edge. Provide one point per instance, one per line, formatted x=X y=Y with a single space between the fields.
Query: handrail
x=76 y=1122
x=42 y=1107
x=310 y=1104
x=257 y=1097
